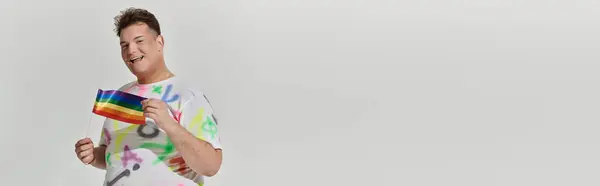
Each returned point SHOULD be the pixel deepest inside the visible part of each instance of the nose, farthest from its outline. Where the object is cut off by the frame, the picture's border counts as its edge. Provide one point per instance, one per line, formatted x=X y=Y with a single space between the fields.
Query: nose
x=132 y=49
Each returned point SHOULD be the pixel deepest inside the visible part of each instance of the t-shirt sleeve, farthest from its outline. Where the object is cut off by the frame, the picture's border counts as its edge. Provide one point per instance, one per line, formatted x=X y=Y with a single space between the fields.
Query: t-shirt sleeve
x=198 y=118
x=104 y=138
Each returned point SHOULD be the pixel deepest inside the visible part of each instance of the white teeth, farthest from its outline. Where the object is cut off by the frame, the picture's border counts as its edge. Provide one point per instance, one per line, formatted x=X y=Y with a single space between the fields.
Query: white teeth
x=136 y=58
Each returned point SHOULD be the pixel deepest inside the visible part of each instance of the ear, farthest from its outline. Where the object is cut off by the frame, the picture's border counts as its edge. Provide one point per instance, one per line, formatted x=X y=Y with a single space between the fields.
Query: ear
x=161 y=41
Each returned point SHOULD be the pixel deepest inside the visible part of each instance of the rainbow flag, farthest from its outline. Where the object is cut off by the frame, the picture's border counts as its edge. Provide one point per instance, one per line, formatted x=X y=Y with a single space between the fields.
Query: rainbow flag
x=120 y=106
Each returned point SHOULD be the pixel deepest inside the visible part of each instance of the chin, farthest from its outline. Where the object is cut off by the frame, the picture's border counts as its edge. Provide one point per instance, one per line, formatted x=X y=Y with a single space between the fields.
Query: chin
x=139 y=68
x=139 y=73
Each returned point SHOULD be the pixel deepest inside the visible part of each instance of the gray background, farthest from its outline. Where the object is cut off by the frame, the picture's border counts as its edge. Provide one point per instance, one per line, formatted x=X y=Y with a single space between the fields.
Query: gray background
x=328 y=92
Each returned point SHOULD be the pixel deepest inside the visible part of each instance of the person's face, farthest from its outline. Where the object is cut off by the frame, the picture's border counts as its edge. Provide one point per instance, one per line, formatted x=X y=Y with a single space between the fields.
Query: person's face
x=141 y=49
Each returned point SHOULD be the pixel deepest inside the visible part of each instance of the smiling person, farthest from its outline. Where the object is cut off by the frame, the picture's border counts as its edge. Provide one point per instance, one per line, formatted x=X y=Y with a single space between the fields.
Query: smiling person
x=179 y=144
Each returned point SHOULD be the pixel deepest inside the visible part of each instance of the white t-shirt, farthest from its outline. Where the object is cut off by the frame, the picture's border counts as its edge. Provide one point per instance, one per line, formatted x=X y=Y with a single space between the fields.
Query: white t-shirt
x=143 y=155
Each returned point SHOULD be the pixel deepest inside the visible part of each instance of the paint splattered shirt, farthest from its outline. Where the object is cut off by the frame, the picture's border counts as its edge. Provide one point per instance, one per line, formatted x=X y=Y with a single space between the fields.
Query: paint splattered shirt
x=143 y=154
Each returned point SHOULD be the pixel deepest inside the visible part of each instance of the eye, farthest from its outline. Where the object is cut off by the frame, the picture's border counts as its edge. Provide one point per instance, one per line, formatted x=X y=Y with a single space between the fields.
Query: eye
x=123 y=47
x=139 y=41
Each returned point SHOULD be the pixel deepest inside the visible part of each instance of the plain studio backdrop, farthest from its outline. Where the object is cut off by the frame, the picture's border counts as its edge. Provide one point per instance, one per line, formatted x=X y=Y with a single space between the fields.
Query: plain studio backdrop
x=328 y=92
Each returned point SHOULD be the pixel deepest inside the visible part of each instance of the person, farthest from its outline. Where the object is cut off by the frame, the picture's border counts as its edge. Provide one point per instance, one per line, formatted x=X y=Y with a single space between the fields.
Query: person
x=179 y=144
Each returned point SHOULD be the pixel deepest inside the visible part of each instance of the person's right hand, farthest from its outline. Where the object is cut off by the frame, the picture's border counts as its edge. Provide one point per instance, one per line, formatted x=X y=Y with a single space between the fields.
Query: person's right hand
x=84 y=149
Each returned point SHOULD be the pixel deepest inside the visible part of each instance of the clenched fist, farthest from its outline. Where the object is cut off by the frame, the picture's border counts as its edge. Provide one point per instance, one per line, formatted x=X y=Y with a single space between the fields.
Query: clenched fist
x=84 y=149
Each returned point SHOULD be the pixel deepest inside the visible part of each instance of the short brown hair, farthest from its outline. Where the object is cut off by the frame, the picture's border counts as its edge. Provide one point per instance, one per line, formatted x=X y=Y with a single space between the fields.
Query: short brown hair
x=132 y=16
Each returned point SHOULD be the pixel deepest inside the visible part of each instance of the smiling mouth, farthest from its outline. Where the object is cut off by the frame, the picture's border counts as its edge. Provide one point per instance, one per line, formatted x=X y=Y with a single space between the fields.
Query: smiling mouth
x=136 y=59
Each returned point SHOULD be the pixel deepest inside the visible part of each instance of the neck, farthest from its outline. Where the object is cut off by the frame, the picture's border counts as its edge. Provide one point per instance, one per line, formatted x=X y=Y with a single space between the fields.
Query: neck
x=156 y=76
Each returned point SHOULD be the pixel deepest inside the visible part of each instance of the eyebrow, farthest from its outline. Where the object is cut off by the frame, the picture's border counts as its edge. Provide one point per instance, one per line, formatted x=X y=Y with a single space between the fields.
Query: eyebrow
x=133 y=39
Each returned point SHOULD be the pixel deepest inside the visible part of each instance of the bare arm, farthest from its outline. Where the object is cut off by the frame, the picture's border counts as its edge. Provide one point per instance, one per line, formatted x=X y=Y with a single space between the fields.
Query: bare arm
x=99 y=158
x=198 y=154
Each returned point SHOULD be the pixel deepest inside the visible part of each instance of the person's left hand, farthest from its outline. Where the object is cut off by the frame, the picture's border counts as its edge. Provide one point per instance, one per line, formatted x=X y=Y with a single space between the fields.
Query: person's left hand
x=158 y=110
